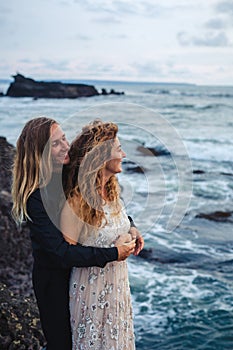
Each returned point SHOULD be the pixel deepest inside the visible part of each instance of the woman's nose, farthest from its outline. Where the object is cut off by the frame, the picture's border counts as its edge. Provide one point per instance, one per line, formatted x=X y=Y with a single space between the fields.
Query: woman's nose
x=65 y=145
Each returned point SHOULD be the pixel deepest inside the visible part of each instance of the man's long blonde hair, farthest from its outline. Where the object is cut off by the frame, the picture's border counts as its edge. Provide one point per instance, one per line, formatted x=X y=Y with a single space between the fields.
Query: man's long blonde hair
x=31 y=169
x=88 y=154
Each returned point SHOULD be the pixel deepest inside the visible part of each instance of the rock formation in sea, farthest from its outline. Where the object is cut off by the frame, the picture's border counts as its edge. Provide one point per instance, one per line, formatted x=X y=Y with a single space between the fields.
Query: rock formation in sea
x=19 y=317
x=218 y=216
x=153 y=152
x=28 y=87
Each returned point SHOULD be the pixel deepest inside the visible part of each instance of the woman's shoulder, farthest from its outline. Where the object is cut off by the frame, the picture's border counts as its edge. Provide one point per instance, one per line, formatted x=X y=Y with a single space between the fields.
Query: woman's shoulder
x=34 y=197
x=34 y=203
x=35 y=194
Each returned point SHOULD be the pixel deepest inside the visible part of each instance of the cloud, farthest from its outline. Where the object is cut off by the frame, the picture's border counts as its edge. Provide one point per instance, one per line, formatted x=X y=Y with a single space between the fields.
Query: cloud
x=48 y=67
x=216 y=23
x=5 y=16
x=225 y=7
x=119 y=36
x=59 y=66
x=148 y=69
x=82 y=37
x=212 y=39
x=209 y=39
x=5 y=9
x=108 y=19
x=131 y=7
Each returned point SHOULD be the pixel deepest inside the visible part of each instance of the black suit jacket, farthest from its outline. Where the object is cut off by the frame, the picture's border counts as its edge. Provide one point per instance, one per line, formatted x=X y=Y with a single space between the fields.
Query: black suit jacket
x=50 y=250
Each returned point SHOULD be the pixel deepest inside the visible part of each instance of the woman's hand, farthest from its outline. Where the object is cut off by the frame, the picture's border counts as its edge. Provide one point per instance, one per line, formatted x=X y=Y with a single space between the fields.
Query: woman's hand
x=122 y=239
x=135 y=234
x=125 y=246
x=125 y=250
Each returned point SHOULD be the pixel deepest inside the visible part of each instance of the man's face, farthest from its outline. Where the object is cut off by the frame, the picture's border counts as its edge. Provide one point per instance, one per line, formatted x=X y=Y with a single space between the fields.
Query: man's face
x=59 y=146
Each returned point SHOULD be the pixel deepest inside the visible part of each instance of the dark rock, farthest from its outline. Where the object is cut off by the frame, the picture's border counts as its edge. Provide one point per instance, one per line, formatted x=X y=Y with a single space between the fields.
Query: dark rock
x=27 y=87
x=111 y=92
x=198 y=172
x=227 y=174
x=7 y=152
x=104 y=92
x=163 y=256
x=136 y=169
x=150 y=151
x=15 y=251
x=219 y=216
x=19 y=320
x=147 y=254
x=15 y=245
x=132 y=167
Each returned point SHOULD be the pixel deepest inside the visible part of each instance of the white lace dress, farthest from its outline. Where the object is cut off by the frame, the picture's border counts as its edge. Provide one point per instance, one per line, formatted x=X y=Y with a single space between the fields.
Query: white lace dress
x=100 y=302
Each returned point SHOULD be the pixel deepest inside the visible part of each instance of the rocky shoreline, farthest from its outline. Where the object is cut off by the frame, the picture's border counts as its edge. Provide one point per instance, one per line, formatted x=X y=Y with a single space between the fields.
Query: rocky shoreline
x=19 y=321
x=28 y=87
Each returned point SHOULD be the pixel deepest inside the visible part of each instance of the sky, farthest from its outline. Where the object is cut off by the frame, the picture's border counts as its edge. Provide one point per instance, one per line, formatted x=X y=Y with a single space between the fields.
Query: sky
x=127 y=40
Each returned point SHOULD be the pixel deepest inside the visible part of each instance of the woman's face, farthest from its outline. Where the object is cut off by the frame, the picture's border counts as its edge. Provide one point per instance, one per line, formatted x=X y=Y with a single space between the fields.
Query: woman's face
x=114 y=165
x=59 y=145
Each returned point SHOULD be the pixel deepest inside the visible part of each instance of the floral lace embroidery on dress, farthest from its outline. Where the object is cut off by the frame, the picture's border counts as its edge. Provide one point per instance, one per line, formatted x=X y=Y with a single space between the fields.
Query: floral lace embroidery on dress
x=100 y=302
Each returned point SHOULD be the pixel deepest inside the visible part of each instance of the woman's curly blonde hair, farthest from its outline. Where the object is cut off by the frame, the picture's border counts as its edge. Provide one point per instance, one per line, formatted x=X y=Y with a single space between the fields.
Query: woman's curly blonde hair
x=84 y=175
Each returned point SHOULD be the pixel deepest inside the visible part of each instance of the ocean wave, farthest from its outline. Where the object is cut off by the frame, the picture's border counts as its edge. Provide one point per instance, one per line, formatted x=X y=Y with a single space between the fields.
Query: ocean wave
x=178 y=308
x=211 y=151
x=210 y=141
x=188 y=93
x=182 y=106
x=211 y=95
x=158 y=91
x=198 y=106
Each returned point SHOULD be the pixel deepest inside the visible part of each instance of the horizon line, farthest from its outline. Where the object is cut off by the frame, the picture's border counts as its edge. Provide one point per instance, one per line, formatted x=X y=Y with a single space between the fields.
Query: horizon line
x=9 y=80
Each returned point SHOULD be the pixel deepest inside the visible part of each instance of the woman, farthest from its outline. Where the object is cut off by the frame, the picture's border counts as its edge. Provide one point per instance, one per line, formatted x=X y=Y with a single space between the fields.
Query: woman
x=41 y=151
x=100 y=304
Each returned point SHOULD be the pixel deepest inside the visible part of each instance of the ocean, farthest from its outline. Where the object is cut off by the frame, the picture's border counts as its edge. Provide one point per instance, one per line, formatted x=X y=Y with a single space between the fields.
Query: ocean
x=177 y=185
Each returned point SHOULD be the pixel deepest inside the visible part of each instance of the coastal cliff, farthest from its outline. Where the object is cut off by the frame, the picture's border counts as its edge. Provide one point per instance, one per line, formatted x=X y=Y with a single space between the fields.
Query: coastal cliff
x=19 y=316
x=27 y=87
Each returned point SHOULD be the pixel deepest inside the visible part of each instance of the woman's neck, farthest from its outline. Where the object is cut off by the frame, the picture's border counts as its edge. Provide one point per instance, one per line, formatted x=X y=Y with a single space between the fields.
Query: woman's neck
x=103 y=187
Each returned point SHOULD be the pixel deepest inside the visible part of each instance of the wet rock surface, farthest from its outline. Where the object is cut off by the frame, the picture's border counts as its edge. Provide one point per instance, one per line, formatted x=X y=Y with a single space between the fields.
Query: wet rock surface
x=20 y=325
x=218 y=216
x=19 y=319
x=153 y=152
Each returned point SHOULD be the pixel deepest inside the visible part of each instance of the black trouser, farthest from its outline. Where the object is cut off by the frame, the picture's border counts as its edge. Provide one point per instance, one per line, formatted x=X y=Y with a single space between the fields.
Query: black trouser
x=52 y=293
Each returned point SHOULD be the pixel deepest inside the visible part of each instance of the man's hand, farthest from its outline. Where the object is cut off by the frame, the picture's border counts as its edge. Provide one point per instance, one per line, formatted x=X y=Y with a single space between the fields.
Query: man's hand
x=135 y=234
x=125 y=250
